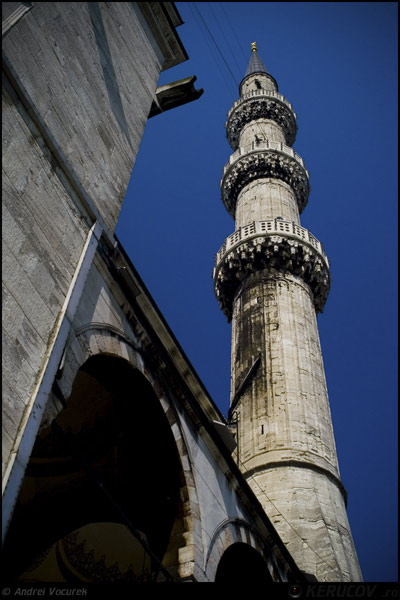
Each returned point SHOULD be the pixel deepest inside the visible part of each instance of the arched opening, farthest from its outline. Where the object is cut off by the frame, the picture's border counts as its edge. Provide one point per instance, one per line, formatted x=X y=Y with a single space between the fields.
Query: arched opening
x=240 y=563
x=105 y=476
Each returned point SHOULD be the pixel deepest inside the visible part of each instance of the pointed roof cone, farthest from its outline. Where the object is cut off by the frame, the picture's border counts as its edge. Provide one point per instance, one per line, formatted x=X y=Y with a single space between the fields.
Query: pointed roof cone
x=256 y=65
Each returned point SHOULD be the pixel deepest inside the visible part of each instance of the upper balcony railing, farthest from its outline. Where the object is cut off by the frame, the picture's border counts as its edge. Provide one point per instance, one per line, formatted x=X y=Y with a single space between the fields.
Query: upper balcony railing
x=272 y=227
x=260 y=146
x=260 y=93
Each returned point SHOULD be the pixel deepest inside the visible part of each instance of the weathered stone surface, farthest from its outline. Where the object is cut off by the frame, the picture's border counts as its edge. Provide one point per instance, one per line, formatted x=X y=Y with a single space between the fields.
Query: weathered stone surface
x=309 y=513
x=249 y=83
x=261 y=129
x=287 y=400
x=71 y=49
x=71 y=132
x=266 y=198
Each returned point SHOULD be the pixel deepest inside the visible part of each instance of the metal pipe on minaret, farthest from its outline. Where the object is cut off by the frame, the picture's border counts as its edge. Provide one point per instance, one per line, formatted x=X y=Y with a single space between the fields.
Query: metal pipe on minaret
x=271 y=278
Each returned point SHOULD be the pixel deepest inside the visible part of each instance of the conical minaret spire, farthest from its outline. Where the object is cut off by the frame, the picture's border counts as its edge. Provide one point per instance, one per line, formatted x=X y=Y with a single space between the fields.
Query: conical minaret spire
x=271 y=278
x=255 y=65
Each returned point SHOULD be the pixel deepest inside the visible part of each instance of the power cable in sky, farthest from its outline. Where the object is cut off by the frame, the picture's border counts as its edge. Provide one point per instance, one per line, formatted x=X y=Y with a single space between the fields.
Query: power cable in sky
x=216 y=45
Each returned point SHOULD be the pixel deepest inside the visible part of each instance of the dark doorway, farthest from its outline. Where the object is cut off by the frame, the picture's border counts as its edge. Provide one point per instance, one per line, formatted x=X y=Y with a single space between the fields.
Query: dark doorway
x=240 y=563
x=108 y=458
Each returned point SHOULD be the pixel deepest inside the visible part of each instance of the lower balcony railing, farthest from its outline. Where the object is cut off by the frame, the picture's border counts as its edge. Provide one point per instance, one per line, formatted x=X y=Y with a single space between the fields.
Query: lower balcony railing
x=276 y=246
x=275 y=226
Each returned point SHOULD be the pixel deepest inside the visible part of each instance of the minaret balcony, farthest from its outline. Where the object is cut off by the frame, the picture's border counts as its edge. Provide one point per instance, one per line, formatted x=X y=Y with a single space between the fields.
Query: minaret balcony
x=277 y=245
x=260 y=160
x=261 y=104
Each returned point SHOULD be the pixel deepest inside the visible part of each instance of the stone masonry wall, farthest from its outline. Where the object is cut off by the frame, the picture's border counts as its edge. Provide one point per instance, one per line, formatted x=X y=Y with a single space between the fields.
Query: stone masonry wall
x=43 y=236
x=67 y=55
x=75 y=103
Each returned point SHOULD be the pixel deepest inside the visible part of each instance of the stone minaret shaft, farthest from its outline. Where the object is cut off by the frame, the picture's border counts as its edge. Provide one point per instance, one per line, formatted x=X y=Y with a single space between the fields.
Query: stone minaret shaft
x=271 y=278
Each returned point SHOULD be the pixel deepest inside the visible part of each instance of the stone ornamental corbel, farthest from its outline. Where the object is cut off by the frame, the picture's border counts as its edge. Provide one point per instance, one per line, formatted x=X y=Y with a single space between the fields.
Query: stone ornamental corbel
x=283 y=253
x=265 y=105
x=264 y=163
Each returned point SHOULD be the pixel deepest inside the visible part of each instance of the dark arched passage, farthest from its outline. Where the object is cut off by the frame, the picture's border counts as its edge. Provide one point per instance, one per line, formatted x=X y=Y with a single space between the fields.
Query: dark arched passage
x=108 y=457
x=240 y=563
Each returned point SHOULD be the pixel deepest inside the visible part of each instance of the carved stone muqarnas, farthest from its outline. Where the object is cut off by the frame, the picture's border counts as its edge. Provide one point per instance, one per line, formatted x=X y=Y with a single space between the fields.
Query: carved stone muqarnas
x=277 y=253
x=264 y=107
x=264 y=163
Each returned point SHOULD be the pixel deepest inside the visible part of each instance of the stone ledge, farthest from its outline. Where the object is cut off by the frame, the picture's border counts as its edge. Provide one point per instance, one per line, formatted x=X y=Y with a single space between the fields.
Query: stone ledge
x=270 y=227
x=273 y=160
x=283 y=253
x=298 y=464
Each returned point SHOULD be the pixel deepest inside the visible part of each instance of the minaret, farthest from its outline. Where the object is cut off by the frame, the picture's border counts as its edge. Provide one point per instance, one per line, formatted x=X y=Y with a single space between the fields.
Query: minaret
x=271 y=279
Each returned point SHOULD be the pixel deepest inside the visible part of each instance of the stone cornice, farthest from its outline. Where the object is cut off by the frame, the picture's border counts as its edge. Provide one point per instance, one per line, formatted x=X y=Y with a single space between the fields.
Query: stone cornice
x=278 y=245
x=301 y=464
x=259 y=104
x=266 y=159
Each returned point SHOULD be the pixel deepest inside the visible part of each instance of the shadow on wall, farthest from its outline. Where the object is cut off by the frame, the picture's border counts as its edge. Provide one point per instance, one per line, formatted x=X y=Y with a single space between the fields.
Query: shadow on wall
x=102 y=486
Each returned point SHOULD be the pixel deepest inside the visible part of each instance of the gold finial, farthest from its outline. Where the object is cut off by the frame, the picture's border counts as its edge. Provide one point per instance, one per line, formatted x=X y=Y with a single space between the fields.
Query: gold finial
x=254 y=46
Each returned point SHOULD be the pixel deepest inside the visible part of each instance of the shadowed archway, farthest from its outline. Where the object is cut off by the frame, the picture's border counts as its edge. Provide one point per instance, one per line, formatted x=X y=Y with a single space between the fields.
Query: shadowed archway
x=108 y=457
x=240 y=563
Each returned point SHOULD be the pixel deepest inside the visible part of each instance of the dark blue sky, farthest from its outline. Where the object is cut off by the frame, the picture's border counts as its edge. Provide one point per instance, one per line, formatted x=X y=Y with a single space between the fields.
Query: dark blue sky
x=336 y=62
